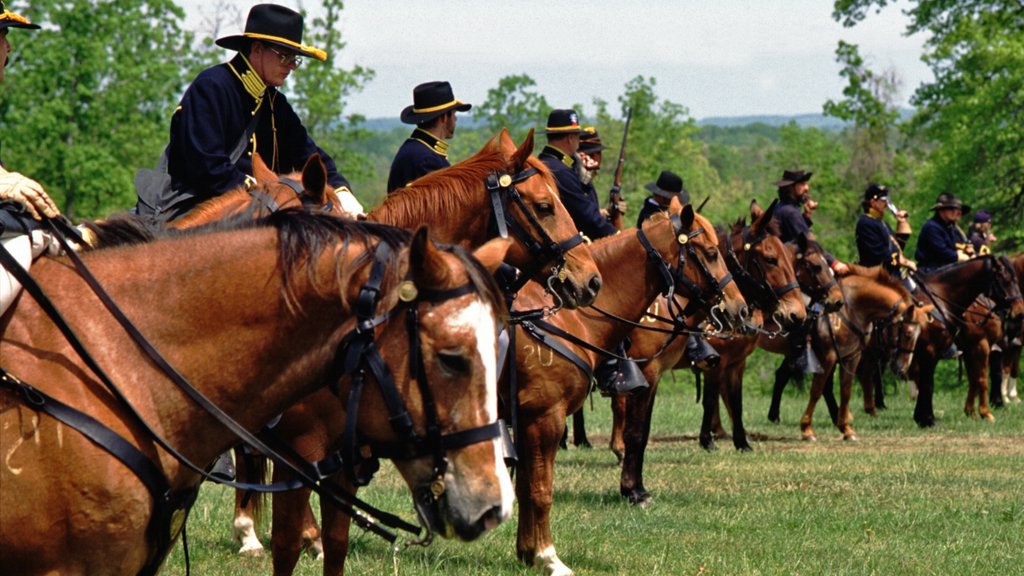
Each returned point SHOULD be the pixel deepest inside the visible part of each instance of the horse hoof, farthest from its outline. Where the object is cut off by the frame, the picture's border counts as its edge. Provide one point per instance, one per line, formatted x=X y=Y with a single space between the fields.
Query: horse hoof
x=252 y=551
x=809 y=438
x=989 y=418
x=640 y=498
x=709 y=445
x=583 y=444
x=850 y=438
x=744 y=448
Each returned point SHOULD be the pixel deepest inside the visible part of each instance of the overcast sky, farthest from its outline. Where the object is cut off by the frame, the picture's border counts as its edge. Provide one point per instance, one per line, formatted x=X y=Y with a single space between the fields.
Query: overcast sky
x=715 y=57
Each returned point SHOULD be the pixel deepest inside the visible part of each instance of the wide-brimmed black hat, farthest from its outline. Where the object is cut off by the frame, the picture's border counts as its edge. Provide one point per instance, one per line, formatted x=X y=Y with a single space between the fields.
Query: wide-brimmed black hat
x=9 y=19
x=876 y=191
x=590 y=141
x=793 y=177
x=563 y=121
x=430 y=100
x=272 y=24
x=949 y=200
x=669 y=185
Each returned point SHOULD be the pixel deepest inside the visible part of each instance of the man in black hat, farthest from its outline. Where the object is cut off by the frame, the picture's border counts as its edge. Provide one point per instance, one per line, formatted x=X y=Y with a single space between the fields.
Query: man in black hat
x=563 y=133
x=589 y=157
x=211 y=122
x=877 y=244
x=795 y=210
x=23 y=201
x=433 y=112
x=941 y=241
x=668 y=186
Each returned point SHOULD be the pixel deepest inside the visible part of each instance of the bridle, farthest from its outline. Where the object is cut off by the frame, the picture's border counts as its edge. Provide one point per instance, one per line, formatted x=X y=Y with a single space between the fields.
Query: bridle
x=502 y=189
x=759 y=290
x=358 y=355
x=819 y=291
x=263 y=201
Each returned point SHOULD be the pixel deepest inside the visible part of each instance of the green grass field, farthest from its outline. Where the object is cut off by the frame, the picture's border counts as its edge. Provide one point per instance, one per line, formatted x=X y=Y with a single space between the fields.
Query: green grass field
x=901 y=501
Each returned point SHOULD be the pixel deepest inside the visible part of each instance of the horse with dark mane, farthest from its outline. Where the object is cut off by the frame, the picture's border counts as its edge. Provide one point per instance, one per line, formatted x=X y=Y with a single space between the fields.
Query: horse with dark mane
x=90 y=482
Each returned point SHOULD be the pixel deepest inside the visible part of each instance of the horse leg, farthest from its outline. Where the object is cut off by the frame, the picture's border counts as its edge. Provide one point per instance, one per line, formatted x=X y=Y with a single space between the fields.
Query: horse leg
x=579 y=429
x=640 y=406
x=869 y=375
x=617 y=442
x=817 y=386
x=709 y=401
x=982 y=365
x=782 y=376
x=248 y=507
x=829 y=393
x=924 y=412
x=732 y=392
x=845 y=391
x=335 y=533
x=996 y=386
x=534 y=490
x=289 y=509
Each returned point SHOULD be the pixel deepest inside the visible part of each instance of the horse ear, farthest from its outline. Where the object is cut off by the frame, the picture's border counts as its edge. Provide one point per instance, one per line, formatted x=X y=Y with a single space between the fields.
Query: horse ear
x=755 y=210
x=524 y=152
x=764 y=219
x=687 y=217
x=314 y=179
x=428 y=268
x=492 y=254
x=260 y=171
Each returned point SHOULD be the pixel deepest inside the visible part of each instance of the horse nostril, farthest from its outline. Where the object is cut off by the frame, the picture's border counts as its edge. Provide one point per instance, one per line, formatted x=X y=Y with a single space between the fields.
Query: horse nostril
x=594 y=284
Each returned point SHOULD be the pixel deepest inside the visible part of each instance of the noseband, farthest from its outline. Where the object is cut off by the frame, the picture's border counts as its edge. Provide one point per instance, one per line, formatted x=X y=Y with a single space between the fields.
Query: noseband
x=501 y=189
x=760 y=290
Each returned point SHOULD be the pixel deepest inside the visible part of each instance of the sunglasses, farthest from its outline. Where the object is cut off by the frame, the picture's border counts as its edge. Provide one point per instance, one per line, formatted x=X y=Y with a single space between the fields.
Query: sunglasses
x=287 y=59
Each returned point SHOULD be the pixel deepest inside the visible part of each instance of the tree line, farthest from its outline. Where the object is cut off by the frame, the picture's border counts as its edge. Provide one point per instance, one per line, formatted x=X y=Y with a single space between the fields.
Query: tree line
x=89 y=98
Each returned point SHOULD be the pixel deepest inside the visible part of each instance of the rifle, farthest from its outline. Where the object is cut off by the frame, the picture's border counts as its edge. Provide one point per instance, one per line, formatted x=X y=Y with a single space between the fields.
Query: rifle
x=615 y=194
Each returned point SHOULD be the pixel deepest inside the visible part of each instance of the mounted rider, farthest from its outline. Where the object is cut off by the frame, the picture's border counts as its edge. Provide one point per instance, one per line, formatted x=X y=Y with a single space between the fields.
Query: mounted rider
x=941 y=241
x=795 y=212
x=433 y=112
x=669 y=185
x=877 y=244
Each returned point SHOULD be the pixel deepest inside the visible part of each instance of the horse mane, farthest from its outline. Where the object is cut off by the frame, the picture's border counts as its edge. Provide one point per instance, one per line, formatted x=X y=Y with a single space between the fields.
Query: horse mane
x=122 y=229
x=438 y=194
x=215 y=206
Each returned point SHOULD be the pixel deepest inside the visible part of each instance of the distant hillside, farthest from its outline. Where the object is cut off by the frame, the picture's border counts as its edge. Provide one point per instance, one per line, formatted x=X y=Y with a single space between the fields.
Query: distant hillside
x=803 y=120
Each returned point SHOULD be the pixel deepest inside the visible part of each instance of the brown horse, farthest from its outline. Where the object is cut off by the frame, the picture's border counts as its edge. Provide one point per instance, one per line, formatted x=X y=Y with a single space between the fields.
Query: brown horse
x=952 y=289
x=839 y=338
x=551 y=385
x=307 y=189
x=229 y=301
x=452 y=202
x=763 y=270
x=1005 y=388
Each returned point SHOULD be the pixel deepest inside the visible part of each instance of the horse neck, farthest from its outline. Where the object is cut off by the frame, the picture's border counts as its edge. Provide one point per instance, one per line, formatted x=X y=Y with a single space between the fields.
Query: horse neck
x=219 y=325
x=961 y=284
x=867 y=299
x=625 y=292
x=214 y=209
x=455 y=215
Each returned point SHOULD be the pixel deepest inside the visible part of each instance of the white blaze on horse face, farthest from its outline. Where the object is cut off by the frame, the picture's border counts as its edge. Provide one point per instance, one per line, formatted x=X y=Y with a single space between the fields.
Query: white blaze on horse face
x=479 y=317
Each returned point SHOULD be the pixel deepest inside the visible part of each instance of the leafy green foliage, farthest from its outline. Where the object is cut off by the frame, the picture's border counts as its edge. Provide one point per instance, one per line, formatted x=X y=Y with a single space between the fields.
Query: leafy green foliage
x=90 y=96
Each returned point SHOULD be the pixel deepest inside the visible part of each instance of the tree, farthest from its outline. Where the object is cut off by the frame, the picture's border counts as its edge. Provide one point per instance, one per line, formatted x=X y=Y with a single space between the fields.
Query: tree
x=972 y=112
x=91 y=95
x=320 y=94
x=513 y=104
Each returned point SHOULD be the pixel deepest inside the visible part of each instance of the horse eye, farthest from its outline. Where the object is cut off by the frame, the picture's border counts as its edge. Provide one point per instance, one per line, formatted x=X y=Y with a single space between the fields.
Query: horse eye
x=544 y=208
x=453 y=362
x=771 y=261
x=713 y=254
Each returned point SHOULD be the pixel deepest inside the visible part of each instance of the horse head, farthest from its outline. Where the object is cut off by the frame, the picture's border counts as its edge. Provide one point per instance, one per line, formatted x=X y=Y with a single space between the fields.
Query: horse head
x=1005 y=290
x=814 y=275
x=451 y=453
x=307 y=189
x=705 y=279
x=767 y=265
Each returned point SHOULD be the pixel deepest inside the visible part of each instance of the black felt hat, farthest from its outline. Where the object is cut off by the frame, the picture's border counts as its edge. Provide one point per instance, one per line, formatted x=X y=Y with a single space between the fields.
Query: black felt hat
x=669 y=185
x=876 y=191
x=272 y=24
x=949 y=200
x=793 y=177
x=430 y=100
x=563 y=121
x=9 y=19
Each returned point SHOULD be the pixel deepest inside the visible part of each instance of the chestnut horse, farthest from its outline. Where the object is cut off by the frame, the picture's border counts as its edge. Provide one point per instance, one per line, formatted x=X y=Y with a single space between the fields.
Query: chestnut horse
x=459 y=205
x=952 y=289
x=261 y=307
x=1006 y=391
x=763 y=270
x=552 y=385
x=874 y=303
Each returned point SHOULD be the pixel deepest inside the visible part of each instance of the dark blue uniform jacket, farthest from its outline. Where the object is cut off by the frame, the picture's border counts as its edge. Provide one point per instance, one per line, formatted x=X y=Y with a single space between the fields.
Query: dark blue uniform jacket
x=420 y=154
x=876 y=244
x=211 y=119
x=583 y=207
x=650 y=208
x=937 y=244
